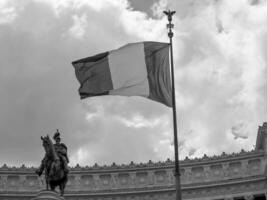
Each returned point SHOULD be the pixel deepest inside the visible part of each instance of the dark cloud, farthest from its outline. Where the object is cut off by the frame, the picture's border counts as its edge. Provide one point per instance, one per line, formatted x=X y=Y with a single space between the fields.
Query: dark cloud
x=219 y=26
x=144 y=6
x=254 y=2
x=238 y=131
x=192 y=151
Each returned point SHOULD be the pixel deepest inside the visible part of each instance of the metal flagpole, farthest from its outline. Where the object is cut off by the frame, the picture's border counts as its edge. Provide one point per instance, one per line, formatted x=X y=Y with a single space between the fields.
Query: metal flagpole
x=177 y=168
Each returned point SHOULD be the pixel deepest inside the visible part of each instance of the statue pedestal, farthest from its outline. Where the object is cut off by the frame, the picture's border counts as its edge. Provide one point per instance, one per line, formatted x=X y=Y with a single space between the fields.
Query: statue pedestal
x=48 y=195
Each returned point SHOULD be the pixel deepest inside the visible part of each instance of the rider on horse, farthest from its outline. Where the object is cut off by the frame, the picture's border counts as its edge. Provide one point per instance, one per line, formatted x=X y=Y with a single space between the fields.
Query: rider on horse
x=61 y=151
x=54 y=163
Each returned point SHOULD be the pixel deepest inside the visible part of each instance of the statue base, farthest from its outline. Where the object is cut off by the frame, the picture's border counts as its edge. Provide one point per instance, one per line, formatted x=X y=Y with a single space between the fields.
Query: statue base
x=48 y=195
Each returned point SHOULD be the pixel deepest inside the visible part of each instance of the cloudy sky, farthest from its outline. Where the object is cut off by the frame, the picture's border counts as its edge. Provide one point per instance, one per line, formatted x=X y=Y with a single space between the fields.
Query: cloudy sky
x=220 y=57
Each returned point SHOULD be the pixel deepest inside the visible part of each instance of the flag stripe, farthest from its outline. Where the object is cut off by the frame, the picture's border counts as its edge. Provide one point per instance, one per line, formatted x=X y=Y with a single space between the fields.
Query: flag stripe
x=128 y=70
x=157 y=63
x=85 y=95
x=94 y=75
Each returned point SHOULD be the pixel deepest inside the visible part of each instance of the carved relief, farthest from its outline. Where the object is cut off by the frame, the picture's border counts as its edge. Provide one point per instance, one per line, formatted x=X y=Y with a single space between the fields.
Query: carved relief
x=87 y=182
x=198 y=174
x=124 y=180
x=141 y=179
x=254 y=166
x=71 y=182
x=12 y=182
x=160 y=177
x=235 y=169
x=216 y=172
x=31 y=183
x=105 y=180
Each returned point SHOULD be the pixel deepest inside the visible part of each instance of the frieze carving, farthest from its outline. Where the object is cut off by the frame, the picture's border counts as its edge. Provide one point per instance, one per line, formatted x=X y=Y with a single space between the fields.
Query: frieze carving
x=166 y=163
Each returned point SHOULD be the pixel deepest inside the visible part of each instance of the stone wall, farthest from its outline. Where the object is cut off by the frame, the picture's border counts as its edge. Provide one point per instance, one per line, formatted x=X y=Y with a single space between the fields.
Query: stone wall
x=205 y=177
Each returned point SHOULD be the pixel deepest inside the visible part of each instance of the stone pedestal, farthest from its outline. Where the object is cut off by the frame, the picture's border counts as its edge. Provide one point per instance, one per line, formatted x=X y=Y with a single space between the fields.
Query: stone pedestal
x=48 y=195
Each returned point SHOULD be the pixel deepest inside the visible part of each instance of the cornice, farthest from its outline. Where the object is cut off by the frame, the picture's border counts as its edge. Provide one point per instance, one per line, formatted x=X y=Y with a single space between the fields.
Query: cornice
x=205 y=160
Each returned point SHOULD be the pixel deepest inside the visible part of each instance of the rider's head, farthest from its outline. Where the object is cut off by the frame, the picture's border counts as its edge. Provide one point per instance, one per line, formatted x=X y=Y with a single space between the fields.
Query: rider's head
x=57 y=137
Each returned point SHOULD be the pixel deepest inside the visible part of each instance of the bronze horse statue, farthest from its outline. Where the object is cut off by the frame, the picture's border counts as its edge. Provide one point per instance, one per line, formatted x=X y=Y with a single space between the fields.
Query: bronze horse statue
x=52 y=164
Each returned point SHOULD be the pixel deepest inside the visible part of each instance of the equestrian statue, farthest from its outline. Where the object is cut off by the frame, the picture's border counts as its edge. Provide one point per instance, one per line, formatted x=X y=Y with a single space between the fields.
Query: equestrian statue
x=54 y=163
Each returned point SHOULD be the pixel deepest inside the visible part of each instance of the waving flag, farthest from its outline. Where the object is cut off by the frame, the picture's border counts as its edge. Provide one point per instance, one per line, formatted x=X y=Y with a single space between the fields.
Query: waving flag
x=136 y=69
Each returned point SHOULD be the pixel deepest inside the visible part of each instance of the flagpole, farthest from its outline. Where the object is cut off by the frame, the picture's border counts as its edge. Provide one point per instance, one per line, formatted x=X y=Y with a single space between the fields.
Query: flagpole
x=177 y=168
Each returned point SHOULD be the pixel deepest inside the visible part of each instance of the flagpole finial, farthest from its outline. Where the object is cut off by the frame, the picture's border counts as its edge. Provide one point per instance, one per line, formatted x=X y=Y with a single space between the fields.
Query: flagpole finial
x=169 y=14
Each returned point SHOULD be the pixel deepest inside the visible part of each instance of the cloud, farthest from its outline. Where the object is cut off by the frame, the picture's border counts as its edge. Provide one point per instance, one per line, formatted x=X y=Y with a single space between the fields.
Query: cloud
x=39 y=87
x=122 y=140
x=79 y=26
x=220 y=68
x=220 y=72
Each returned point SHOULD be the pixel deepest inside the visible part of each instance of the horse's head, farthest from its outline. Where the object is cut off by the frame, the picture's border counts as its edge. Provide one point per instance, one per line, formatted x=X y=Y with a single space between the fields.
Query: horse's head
x=47 y=143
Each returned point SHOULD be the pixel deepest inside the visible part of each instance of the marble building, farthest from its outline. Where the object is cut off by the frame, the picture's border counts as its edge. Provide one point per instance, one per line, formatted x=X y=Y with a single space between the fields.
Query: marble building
x=233 y=176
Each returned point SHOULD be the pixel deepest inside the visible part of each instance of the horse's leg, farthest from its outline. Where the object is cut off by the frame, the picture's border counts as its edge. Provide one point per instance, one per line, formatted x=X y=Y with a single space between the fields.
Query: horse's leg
x=53 y=187
x=61 y=187
x=64 y=182
x=47 y=183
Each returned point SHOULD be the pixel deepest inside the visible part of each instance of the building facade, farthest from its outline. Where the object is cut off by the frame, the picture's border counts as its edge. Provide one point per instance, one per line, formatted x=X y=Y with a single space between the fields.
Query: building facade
x=234 y=176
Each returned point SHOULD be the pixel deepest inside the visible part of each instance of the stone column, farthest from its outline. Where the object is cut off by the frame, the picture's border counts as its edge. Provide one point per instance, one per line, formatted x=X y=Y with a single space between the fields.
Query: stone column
x=207 y=172
x=77 y=183
x=151 y=177
x=170 y=177
x=96 y=180
x=225 y=168
x=48 y=195
x=132 y=179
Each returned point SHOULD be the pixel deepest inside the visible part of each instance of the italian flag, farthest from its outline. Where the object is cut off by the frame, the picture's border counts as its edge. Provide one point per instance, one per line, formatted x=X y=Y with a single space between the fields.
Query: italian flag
x=136 y=69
